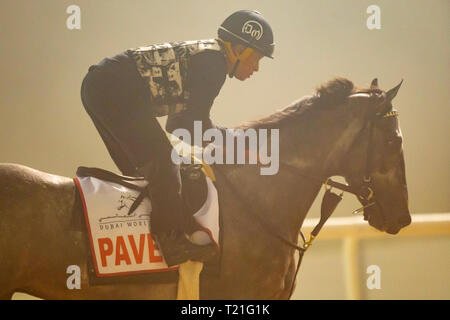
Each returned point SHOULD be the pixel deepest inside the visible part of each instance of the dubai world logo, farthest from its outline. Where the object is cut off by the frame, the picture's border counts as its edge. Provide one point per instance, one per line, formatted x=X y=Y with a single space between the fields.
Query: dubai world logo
x=253 y=28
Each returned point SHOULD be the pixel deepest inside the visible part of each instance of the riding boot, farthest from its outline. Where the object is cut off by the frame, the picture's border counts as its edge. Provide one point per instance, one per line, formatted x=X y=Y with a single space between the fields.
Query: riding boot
x=176 y=248
x=167 y=221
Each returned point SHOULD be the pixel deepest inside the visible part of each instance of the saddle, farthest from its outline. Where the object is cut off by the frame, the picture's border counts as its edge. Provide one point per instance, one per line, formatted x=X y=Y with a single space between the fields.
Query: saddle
x=195 y=194
x=194 y=188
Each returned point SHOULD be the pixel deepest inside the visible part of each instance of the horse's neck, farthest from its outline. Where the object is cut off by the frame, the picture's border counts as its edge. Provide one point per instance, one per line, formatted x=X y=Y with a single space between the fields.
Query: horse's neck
x=285 y=198
x=321 y=148
x=281 y=200
x=321 y=152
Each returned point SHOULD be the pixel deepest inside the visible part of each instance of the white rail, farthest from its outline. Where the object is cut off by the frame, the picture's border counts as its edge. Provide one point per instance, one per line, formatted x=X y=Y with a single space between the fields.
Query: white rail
x=352 y=229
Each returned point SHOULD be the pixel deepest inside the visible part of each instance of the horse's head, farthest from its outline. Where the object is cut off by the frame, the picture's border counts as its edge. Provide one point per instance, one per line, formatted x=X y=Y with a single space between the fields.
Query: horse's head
x=376 y=163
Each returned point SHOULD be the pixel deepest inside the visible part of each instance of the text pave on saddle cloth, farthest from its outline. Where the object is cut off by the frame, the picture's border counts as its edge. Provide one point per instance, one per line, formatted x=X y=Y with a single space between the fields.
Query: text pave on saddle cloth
x=122 y=244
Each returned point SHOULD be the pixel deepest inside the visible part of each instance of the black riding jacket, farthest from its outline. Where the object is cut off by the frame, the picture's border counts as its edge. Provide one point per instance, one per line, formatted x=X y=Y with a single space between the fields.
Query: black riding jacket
x=205 y=76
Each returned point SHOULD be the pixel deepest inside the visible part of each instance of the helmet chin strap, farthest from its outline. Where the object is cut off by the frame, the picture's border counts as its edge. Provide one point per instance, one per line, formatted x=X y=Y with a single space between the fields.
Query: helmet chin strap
x=234 y=59
x=236 y=65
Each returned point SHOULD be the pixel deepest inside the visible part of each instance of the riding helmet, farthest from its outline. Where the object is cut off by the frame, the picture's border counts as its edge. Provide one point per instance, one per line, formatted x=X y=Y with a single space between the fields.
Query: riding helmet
x=249 y=28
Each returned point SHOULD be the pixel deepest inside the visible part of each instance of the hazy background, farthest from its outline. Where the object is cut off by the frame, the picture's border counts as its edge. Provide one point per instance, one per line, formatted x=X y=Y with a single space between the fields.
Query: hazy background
x=43 y=124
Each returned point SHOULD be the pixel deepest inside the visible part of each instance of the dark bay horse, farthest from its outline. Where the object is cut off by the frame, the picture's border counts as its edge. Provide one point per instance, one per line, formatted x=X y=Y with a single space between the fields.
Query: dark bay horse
x=338 y=131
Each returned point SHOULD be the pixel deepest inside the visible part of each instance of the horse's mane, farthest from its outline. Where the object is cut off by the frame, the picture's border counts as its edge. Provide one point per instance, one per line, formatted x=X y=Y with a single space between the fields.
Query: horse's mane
x=329 y=94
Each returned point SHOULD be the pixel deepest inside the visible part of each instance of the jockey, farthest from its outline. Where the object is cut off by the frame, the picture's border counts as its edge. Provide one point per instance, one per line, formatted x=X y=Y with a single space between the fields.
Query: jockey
x=124 y=94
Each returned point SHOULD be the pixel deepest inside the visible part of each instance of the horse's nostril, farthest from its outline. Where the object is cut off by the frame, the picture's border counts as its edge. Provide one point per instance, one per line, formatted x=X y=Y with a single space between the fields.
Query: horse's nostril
x=404 y=221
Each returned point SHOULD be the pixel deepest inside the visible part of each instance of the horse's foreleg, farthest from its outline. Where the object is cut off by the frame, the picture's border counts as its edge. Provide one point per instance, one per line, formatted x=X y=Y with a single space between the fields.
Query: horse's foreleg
x=289 y=281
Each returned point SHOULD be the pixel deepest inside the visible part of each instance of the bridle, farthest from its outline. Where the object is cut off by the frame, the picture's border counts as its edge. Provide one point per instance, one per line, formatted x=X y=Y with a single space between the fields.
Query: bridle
x=364 y=192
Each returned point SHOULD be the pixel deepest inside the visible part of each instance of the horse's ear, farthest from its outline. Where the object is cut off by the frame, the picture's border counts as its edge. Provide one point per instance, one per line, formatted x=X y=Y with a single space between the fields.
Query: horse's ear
x=374 y=84
x=390 y=95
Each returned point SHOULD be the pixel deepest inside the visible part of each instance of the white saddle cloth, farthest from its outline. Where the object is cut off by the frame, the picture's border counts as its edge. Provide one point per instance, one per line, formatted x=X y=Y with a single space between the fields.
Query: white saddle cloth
x=121 y=243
